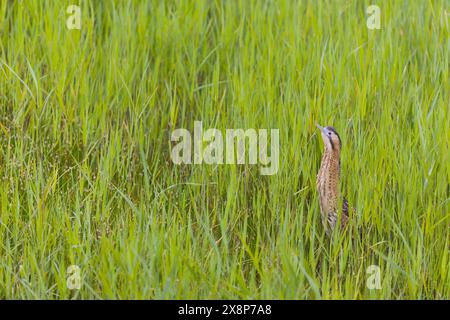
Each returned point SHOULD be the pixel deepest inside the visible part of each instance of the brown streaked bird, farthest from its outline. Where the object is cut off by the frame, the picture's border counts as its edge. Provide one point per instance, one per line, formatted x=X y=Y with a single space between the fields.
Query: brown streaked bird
x=328 y=181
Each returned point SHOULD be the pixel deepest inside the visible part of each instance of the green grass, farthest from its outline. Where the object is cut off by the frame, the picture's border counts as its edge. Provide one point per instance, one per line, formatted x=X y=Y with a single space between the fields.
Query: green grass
x=86 y=174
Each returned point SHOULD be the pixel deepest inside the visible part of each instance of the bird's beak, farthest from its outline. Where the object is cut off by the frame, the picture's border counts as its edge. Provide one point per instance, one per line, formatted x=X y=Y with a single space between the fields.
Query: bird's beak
x=320 y=127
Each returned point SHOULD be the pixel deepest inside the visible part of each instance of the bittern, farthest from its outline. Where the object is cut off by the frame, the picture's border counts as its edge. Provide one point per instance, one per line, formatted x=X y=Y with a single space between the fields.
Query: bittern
x=328 y=181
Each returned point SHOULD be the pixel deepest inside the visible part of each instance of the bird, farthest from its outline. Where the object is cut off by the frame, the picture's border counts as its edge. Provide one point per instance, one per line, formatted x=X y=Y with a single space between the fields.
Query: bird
x=328 y=181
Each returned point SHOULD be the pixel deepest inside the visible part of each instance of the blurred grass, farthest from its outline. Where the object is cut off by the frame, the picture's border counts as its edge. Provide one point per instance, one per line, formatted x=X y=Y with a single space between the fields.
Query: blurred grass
x=86 y=174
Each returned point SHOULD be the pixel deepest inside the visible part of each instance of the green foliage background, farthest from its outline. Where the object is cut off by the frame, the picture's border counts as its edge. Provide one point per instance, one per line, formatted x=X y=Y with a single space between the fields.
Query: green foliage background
x=86 y=174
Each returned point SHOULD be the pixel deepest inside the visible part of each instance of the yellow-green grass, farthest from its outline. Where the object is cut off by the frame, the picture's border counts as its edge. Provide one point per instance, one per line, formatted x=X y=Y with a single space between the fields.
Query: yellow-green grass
x=86 y=174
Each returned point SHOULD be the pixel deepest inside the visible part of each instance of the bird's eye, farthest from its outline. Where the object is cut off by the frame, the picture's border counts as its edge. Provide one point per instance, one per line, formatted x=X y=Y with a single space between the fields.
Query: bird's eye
x=329 y=133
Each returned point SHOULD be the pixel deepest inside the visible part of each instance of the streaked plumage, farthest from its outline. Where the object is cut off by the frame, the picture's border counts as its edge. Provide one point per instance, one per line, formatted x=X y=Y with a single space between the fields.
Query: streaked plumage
x=328 y=181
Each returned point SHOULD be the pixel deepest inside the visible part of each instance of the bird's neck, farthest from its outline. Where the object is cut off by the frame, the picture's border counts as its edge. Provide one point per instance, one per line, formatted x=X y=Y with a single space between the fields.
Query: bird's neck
x=330 y=169
x=328 y=182
x=331 y=158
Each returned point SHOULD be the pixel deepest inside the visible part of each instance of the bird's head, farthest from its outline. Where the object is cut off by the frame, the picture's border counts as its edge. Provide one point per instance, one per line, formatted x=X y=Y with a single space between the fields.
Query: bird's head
x=330 y=138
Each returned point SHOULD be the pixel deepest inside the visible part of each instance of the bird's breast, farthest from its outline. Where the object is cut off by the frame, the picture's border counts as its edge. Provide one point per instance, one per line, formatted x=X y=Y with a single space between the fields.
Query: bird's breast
x=328 y=182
